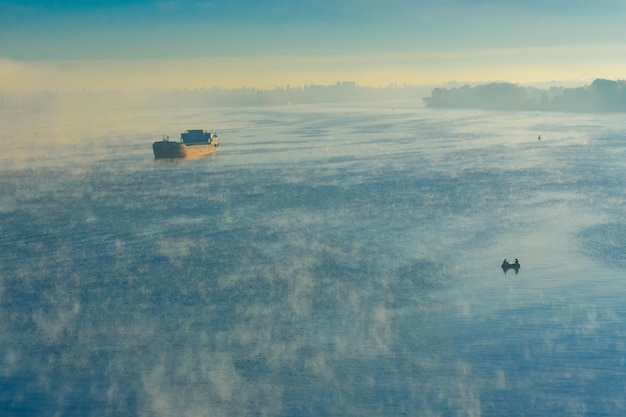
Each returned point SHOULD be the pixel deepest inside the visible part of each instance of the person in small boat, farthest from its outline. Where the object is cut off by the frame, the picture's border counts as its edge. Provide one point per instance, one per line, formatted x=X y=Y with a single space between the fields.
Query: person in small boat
x=504 y=262
x=516 y=262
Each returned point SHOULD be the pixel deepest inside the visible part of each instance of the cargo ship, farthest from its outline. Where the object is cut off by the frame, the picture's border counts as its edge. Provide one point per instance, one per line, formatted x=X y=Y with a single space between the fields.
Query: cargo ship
x=193 y=143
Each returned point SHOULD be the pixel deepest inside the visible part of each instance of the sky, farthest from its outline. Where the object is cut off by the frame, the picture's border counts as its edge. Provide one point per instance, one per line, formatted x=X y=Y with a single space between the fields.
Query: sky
x=135 y=44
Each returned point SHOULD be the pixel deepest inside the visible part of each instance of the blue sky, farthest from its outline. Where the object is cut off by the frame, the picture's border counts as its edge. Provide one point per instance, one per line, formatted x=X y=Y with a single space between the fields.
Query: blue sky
x=124 y=44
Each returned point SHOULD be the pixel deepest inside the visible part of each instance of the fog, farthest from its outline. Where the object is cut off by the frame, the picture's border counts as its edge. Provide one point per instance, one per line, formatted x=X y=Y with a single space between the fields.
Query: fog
x=61 y=103
x=329 y=260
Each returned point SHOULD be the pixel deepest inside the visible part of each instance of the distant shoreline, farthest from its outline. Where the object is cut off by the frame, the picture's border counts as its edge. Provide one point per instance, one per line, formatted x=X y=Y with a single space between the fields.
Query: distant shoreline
x=601 y=96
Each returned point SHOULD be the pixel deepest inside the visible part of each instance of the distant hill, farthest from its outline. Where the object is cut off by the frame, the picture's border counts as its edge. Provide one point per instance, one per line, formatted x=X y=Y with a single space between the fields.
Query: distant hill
x=600 y=96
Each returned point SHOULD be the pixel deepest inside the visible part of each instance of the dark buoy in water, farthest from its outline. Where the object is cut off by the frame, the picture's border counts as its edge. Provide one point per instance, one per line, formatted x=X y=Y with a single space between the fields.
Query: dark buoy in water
x=539 y=137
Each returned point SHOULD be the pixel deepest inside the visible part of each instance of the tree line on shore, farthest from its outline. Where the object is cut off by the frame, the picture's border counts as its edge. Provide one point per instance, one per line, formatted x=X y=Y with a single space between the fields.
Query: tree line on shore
x=601 y=95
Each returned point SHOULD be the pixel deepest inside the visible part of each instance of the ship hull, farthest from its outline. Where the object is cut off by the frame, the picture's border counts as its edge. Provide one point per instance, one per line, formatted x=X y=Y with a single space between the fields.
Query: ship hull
x=170 y=150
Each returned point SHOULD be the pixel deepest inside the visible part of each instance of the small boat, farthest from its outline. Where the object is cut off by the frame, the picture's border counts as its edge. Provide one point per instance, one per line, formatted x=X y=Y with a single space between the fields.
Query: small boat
x=193 y=143
x=507 y=265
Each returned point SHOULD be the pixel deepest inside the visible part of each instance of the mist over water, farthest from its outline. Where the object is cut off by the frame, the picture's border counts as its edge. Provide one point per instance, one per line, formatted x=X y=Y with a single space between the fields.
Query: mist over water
x=328 y=260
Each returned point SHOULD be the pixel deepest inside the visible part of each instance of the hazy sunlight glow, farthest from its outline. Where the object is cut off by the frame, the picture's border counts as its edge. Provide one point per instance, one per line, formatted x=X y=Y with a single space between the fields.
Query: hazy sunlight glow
x=525 y=65
x=170 y=44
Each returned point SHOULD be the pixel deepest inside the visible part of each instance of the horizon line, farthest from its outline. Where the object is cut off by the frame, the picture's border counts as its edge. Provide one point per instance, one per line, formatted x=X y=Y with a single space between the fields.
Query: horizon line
x=340 y=83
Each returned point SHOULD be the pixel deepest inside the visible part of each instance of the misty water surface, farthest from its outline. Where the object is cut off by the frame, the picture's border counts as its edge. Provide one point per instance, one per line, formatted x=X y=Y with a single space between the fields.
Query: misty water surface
x=328 y=261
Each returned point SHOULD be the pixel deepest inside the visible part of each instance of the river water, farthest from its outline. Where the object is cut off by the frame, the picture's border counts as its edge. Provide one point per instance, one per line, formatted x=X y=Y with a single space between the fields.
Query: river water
x=329 y=260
